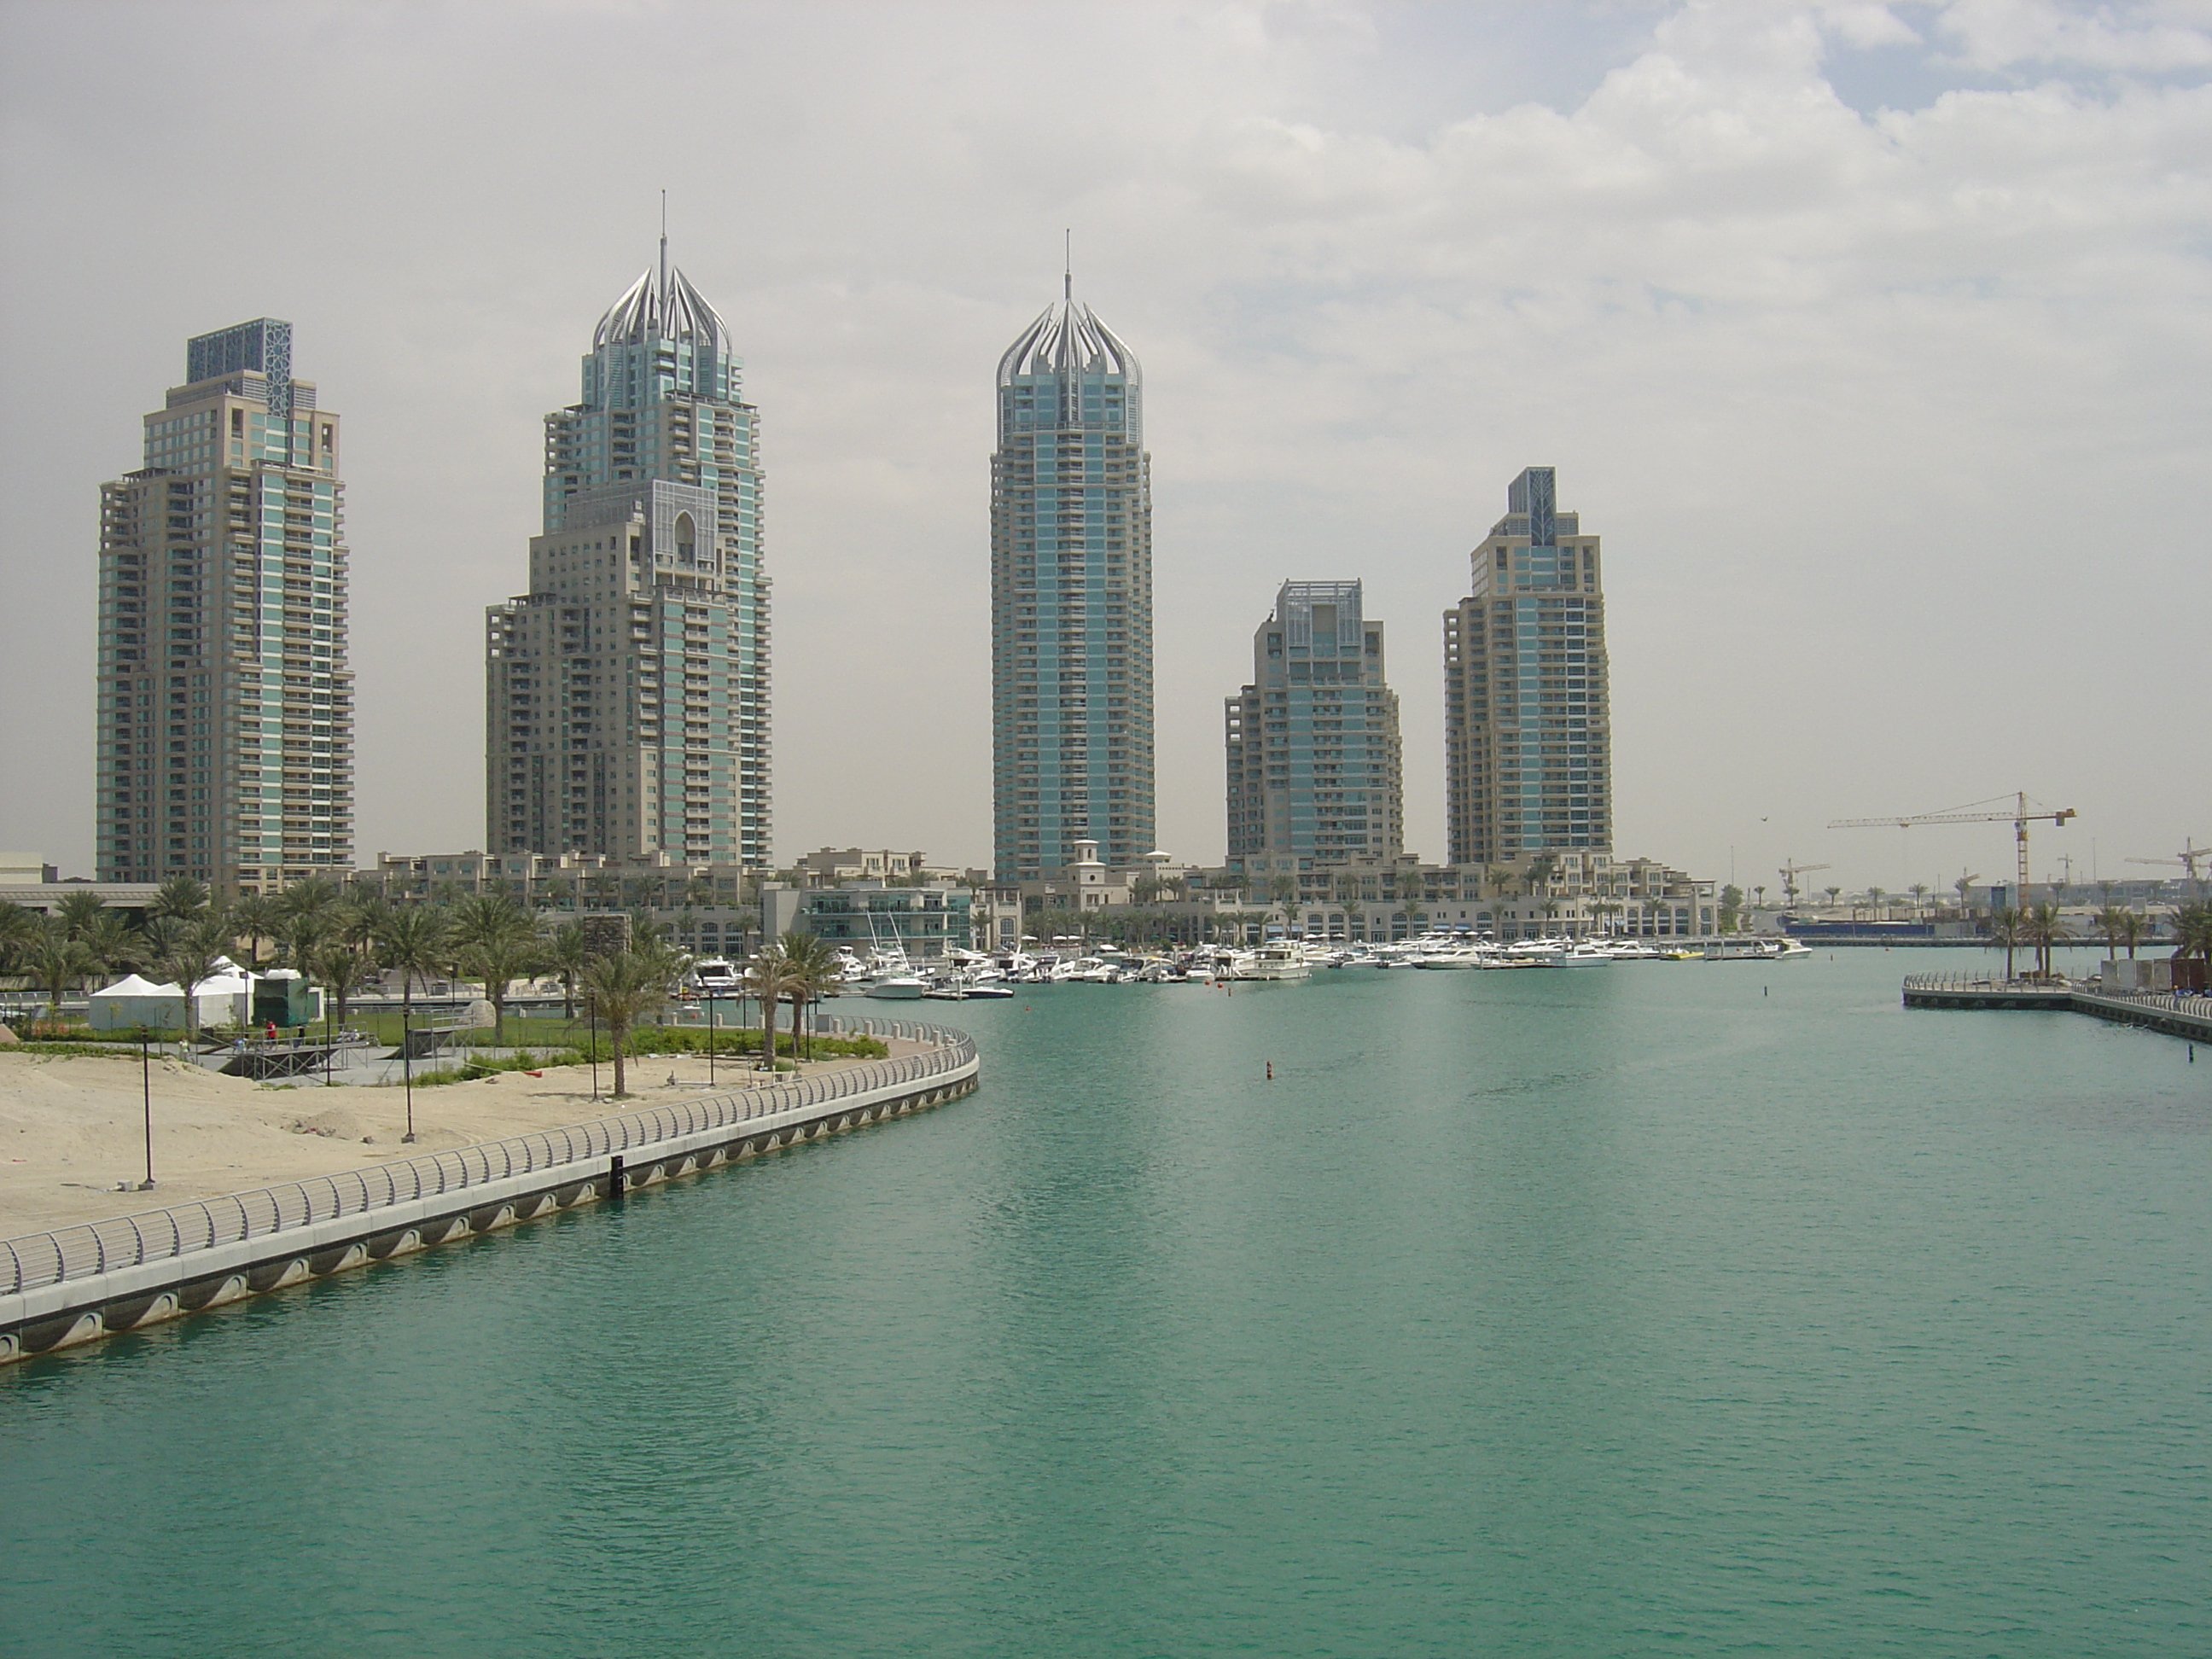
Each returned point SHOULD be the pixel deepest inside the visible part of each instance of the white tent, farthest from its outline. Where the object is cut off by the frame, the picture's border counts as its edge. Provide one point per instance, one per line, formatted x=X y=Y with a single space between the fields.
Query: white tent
x=132 y=1002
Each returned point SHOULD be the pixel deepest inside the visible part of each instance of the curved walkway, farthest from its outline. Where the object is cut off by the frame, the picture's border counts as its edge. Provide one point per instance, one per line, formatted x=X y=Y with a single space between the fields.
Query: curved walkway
x=74 y=1284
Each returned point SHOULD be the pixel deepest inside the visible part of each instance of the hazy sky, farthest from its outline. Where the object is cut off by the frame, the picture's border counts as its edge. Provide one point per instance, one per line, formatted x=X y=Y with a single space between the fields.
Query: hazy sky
x=1873 y=340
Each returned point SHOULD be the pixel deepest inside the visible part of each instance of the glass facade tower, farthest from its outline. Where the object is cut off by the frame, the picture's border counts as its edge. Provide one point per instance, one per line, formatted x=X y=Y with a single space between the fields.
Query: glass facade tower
x=226 y=705
x=1316 y=773
x=1071 y=599
x=627 y=689
x=1527 y=714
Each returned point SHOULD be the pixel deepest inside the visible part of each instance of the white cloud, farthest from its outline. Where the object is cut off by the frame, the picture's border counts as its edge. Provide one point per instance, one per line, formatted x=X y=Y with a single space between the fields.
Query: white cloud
x=1866 y=25
x=2003 y=33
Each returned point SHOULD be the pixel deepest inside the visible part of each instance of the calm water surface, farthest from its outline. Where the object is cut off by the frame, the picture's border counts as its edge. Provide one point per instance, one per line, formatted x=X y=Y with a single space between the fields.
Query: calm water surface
x=1621 y=1311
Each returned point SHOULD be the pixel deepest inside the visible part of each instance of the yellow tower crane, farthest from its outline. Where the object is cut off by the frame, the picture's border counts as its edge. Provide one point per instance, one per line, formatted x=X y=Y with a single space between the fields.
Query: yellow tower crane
x=2020 y=818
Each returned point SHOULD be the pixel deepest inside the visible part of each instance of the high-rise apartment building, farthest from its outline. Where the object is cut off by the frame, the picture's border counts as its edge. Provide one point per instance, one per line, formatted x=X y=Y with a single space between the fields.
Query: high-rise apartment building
x=226 y=706
x=1071 y=599
x=1527 y=718
x=627 y=690
x=1316 y=773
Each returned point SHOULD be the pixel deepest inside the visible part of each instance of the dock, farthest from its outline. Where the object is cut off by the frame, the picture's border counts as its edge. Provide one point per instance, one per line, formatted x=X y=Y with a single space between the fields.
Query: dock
x=2178 y=1013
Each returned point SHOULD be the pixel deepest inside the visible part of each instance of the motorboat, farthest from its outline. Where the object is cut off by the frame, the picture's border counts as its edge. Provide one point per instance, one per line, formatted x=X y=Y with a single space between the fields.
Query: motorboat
x=1279 y=958
x=714 y=976
x=1587 y=954
x=1453 y=957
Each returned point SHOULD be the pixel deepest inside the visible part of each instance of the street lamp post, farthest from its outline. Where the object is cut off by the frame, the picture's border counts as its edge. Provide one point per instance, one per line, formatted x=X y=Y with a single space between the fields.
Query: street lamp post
x=713 y=1014
x=407 y=1068
x=593 y=1016
x=146 y=1088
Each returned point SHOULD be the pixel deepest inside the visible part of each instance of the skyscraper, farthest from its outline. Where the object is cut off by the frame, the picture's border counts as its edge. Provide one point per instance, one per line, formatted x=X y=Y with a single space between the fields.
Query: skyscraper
x=1316 y=775
x=1071 y=599
x=1528 y=718
x=225 y=707
x=628 y=689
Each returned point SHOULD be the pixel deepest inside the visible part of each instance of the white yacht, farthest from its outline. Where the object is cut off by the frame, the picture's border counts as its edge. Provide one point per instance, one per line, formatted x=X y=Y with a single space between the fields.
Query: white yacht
x=714 y=976
x=1454 y=956
x=1587 y=954
x=1279 y=958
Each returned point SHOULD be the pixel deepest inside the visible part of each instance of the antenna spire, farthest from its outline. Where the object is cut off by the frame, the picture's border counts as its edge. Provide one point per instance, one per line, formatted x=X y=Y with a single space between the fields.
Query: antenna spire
x=664 y=246
x=1067 y=273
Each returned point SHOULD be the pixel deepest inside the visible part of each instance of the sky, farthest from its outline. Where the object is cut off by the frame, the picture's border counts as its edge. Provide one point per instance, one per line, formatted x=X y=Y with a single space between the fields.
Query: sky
x=1873 y=339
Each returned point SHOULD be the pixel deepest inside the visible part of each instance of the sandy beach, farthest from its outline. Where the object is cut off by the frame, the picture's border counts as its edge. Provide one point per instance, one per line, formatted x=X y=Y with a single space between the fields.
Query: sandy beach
x=73 y=1142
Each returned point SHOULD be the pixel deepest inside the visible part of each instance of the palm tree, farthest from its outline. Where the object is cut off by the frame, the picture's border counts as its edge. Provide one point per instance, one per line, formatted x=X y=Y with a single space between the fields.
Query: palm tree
x=1833 y=893
x=2192 y=930
x=417 y=940
x=306 y=915
x=80 y=912
x=1873 y=902
x=1964 y=887
x=769 y=979
x=2134 y=924
x=341 y=970
x=498 y=944
x=19 y=925
x=622 y=987
x=1919 y=896
x=193 y=959
x=179 y=897
x=811 y=964
x=256 y=918
x=57 y=962
x=567 y=956
x=113 y=942
x=2044 y=925
x=2111 y=922
x=2006 y=929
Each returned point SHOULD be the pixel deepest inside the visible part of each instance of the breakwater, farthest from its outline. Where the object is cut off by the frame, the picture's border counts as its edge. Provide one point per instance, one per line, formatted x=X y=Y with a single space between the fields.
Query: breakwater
x=2182 y=1016
x=75 y=1285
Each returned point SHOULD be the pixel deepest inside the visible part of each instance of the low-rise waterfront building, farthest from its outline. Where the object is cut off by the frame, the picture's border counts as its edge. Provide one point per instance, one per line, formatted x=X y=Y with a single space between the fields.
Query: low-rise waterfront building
x=831 y=866
x=709 y=909
x=924 y=922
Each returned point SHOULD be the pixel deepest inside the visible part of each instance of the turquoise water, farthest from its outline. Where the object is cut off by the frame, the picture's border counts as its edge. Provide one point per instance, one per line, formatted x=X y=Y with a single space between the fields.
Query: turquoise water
x=1619 y=1311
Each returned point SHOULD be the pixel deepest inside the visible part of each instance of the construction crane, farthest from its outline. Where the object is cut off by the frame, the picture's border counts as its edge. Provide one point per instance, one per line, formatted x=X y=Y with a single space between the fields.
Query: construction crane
x=1789 y=873
x=2186 y=857
x=2020 y=818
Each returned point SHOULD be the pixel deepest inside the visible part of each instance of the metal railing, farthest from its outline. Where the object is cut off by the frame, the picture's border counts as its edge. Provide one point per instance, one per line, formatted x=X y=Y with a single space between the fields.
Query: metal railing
x=1986 y=982
x=37 y=1259
x=2192 y=1003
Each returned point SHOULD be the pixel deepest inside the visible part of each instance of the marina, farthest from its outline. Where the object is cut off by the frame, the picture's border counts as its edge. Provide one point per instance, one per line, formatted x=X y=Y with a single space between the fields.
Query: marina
x=1527 y=1313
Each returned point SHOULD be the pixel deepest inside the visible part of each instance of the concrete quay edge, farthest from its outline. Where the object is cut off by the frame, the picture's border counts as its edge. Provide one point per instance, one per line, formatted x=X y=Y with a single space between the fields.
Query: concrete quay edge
x=83 y=1309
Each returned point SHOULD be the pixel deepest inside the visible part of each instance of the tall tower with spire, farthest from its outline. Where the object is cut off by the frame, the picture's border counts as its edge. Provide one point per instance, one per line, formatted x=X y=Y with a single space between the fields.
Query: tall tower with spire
x=1071 y=599
x=627 y=690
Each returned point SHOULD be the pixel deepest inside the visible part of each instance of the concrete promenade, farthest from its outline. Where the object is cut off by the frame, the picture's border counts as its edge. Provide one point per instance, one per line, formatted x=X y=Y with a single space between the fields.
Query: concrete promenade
x=75 y=1285
x=2178 y=1014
